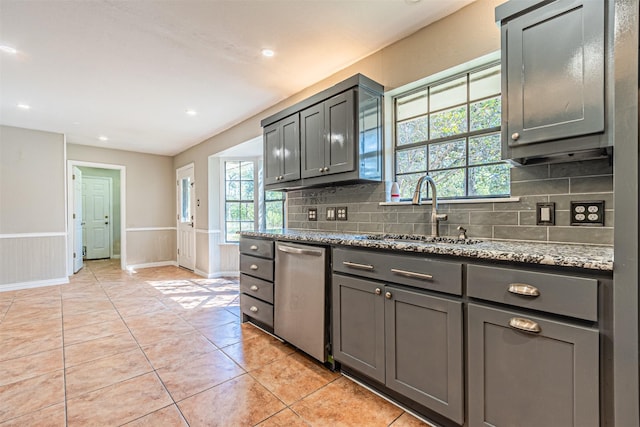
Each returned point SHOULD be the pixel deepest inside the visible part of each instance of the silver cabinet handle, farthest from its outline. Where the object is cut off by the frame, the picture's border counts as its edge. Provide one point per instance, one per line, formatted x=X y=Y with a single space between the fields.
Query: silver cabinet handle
x=326 y=169
x=515 y=136
x=388 y=295
x=524 y=289
x=358 y=266
x=254 y=309
x=320 y=170
x=525 y=325
x=378 y=291
x=253 y=247
x=253 y=288
x=299 y=251
x=253 y=267
x=412 y=274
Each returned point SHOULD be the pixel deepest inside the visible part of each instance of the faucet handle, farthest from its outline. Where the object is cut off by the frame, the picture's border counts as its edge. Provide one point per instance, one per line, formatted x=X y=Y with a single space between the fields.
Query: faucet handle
x=462 y=232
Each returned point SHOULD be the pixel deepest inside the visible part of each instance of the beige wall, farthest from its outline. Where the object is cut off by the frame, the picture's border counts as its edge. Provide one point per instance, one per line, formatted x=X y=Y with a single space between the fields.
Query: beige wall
x=32 y=208
x=150 y=201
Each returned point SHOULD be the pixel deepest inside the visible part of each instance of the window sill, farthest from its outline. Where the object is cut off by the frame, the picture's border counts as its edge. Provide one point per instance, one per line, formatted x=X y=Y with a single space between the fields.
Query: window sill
x=456 y=201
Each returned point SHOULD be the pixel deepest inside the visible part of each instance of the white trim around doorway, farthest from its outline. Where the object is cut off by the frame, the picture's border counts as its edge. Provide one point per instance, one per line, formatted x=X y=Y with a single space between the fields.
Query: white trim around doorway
x=123 y=209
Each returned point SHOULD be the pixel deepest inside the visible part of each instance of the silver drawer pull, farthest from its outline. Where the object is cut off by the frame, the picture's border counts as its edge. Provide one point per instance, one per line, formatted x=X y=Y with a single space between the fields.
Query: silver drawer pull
x=525 y=325
x=412 y=274
x=524 y=289
x=253 y=247
x=359 y=266
x=254 y=309
x=253 y=267
x=253 y=288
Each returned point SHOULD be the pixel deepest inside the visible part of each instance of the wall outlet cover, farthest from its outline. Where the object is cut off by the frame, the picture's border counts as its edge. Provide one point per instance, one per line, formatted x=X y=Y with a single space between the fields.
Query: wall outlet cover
x=590 y=212
x=331 y=214
x=341 y=213
x=312 y=214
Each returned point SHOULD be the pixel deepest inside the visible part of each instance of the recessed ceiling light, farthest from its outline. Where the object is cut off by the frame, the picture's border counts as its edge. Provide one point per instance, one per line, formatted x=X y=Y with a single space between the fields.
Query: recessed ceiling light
x=8 y=49
x=103 y=138
x=268 y=53
x=191 y=112
x=23 y=106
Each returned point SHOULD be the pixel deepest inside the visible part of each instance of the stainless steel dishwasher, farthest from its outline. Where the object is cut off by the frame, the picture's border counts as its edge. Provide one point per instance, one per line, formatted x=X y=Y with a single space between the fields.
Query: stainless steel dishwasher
x=300 y=309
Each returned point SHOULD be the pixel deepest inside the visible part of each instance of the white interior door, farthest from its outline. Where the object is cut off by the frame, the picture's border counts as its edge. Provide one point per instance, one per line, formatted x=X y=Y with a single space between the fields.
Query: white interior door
x=186 y=217
x=77 y=219
x=97 y=214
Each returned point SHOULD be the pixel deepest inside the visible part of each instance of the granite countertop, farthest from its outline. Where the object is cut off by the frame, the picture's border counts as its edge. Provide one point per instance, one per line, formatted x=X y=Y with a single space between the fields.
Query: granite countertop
x=590 y=257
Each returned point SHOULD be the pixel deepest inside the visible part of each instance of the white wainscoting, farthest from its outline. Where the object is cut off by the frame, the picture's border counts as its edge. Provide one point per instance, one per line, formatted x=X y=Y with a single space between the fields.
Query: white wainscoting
x=29 y=260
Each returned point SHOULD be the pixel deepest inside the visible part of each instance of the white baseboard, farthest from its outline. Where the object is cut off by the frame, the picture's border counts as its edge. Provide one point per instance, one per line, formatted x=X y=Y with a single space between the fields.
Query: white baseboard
x=217 y=274
x=116 y=257
x=34 y=284
x=152 y=264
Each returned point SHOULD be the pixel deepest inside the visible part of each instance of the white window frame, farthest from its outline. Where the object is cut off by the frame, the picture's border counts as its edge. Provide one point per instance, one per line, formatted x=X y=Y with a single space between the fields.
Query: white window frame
x=390 y=96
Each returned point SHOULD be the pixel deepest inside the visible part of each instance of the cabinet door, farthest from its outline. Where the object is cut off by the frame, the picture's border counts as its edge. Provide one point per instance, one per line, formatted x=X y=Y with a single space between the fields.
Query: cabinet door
x=358 y=325
x=290 y=148
x=272 y=153
x=424 y=350
x=555 y=72
x=516 y=378
x=312 y=141
x=340 y=126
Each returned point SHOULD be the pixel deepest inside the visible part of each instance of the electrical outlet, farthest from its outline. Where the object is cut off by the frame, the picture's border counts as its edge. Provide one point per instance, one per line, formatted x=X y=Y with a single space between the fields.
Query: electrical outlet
x=341 y=213
x=312 y=214
x=590 y=212
x=545 y=213
x=331 y=214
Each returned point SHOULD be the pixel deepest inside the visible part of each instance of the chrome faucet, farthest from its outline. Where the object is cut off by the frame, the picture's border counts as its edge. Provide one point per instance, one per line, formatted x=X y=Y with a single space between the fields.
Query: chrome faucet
x=417 y=200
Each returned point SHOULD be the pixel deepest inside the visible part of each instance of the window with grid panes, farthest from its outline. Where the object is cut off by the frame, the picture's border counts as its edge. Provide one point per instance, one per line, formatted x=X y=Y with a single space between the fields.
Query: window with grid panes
x=274 y=209
x=239 y=198
x=450 y=130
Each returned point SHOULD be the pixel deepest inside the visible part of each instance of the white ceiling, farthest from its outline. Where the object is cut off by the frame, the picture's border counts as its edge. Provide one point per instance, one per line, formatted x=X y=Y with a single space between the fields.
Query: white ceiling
x=130 y=69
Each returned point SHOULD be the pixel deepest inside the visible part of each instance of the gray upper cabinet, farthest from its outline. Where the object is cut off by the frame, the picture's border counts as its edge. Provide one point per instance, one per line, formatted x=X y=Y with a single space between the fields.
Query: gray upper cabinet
x=544 y=378
x=553 y=71
x=340 y=137
x=282 y=151
x=327 y=136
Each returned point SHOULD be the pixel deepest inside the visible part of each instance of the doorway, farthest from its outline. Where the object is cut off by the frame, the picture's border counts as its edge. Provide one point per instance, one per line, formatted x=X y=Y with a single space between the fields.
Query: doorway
x=96 y=213
x=185 y=195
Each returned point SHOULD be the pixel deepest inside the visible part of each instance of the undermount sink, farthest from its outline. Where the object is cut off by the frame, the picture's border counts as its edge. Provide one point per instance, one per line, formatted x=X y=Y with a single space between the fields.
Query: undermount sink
x=411 y=238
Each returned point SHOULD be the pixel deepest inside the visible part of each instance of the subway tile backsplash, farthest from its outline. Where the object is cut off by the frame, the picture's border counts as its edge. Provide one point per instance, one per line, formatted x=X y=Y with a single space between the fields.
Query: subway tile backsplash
x=555 y=182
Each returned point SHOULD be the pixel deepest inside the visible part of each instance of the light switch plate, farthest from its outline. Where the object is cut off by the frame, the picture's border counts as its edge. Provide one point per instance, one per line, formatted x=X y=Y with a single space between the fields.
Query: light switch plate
x=590 y=212
x=312 y=214
x=546 y=213
x=331 y=214
x=341 y=213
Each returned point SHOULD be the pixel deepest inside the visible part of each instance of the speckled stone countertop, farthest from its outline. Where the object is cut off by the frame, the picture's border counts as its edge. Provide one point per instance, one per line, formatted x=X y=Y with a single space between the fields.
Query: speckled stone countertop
x=588 y=257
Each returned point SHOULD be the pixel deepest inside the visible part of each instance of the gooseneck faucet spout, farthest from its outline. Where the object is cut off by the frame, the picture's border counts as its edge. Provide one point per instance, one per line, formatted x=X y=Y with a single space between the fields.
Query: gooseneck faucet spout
x=417 y=200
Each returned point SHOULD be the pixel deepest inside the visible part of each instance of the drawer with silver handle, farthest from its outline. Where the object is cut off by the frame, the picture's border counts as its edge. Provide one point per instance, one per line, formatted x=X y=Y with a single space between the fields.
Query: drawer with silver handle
x=255 y=287
x=256 y=309
x=405 y=269
x=552 y=293
x=256 y=267
x=256 y=247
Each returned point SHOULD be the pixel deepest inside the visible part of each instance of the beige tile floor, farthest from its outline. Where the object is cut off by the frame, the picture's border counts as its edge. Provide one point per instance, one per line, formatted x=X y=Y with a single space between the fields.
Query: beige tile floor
x=161 y=347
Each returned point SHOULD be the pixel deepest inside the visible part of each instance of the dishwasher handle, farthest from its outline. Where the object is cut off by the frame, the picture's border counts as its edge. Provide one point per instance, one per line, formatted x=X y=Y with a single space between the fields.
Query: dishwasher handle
x=299 y=251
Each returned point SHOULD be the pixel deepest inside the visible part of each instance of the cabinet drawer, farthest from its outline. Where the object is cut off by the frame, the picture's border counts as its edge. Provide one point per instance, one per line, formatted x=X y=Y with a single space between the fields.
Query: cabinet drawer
x=257 y=267
x=556 y=293
x=257 y=309
x=415 y=271
x=257 y=247
x=256 y=287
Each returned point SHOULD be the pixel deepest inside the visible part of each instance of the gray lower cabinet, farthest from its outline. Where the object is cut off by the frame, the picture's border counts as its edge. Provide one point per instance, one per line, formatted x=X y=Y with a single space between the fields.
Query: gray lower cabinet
x=545 y=377
x=256 y=280
x=408 y=340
